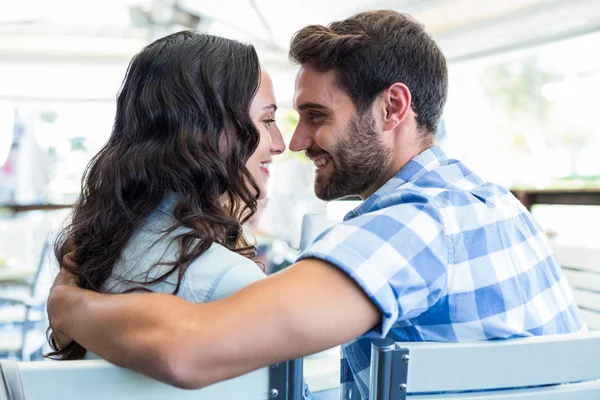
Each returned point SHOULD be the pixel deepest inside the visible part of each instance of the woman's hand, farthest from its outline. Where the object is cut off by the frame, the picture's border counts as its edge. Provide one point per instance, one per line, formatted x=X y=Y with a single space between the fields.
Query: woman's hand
x=64 y=281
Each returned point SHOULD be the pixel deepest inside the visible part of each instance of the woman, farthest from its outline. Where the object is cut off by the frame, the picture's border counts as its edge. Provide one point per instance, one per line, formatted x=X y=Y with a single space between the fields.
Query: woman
x=163 y=203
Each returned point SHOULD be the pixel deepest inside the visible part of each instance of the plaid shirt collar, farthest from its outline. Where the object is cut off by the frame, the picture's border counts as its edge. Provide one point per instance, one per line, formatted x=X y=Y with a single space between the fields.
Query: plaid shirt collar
x=426 y=161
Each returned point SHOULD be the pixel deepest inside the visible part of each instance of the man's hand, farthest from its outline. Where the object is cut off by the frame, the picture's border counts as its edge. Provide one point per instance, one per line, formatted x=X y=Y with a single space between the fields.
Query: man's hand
x=63 y=282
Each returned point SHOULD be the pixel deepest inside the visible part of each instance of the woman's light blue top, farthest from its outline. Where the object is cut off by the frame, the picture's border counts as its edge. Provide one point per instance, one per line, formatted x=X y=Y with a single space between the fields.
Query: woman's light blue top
x=217 y=273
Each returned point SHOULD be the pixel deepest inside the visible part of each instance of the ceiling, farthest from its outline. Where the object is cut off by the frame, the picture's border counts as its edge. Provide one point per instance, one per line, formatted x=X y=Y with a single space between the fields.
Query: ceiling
x=76 y=50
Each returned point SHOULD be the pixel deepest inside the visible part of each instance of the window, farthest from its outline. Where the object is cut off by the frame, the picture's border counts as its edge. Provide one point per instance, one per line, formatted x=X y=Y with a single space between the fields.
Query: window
x=528 y=118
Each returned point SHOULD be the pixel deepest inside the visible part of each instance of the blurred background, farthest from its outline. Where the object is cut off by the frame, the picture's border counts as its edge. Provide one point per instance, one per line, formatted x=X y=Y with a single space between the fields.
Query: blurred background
x=522 y=111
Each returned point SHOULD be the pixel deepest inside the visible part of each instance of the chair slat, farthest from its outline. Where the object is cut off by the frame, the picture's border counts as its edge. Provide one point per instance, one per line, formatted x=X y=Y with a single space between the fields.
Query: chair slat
x=576 y=391
x=503 y=363
x=582 y=280
x=591 y=318
x=578 y=257
x=587 y=299
x=96 y=380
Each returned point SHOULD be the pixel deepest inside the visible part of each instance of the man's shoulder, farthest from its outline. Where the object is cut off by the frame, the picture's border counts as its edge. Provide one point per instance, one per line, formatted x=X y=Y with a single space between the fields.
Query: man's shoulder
x=450 y=197
x=450 y=185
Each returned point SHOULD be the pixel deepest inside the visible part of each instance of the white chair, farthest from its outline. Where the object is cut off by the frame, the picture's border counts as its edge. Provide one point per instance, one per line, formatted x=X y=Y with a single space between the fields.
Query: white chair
x=98 y=379
x=581 y=267
x=26 y=315
x=312 y=226
x=559 y=367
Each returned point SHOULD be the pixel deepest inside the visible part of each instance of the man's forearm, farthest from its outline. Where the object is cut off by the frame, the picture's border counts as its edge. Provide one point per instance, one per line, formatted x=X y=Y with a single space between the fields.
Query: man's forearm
x=305 y=309
x=164 y=337
x=136 y=331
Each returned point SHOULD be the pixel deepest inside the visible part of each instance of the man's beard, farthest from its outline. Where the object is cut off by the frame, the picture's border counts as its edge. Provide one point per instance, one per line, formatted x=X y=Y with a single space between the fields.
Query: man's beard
x=360 y=161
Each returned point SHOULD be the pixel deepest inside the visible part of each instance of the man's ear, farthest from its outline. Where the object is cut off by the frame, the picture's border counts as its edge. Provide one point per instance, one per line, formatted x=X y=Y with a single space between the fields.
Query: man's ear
x=396 y=104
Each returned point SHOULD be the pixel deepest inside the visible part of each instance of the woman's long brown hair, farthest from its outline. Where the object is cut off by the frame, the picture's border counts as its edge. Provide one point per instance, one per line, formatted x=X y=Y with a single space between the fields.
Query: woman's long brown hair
x=182 y=125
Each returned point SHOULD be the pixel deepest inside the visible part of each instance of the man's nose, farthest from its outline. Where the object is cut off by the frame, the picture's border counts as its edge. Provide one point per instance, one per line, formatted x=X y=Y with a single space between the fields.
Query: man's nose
x=301 y=140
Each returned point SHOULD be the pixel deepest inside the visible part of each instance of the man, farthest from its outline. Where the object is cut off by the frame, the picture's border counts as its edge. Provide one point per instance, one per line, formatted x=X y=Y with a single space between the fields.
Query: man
x=435 y=252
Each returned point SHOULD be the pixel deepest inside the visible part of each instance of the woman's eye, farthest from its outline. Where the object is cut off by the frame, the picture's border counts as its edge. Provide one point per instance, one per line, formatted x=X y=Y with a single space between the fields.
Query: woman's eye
x=268 y=122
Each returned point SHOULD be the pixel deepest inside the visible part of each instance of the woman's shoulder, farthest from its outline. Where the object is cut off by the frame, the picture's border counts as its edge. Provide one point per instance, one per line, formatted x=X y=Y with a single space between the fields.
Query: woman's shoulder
x=218 y=273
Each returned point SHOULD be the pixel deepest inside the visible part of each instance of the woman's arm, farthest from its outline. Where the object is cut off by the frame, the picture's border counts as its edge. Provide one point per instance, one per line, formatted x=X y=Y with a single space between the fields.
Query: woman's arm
x=307 y=308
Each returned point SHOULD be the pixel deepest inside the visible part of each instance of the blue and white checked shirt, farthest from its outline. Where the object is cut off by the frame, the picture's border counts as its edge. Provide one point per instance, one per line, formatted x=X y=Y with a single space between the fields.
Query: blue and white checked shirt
x=446 y=256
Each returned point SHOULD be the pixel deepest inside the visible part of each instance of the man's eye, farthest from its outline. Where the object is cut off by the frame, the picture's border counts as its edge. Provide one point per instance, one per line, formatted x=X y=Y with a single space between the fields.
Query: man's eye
x=315 y=115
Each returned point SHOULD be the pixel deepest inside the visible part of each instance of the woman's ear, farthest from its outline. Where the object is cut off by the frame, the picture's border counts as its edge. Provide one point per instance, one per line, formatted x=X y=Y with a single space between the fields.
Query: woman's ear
x=396 y=104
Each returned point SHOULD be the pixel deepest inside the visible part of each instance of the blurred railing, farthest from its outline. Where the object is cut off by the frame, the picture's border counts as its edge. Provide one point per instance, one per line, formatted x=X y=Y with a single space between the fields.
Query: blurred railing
x=580 y=197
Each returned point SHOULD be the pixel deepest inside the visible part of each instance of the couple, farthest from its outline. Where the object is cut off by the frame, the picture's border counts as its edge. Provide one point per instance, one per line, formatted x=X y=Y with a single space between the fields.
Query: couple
x=434 y=253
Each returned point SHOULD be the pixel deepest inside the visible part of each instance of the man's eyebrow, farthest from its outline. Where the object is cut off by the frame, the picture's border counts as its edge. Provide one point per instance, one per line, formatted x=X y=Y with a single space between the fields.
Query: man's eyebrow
x=272 y=106
x=314 y=106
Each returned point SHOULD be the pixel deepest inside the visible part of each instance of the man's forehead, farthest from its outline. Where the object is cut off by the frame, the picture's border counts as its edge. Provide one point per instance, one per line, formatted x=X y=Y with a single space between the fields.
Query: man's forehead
x=315 y=87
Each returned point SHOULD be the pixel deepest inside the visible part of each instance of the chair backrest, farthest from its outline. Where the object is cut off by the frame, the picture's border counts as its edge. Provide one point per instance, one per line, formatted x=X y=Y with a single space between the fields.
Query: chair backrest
x=581 y=267
x=559 y=367
x=27 y=316
x=43 y=279
x=98 y=379
x=34 y=326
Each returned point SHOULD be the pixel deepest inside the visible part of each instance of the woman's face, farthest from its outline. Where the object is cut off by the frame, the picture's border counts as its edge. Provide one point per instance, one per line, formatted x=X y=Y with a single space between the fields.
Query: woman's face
x=262 y=112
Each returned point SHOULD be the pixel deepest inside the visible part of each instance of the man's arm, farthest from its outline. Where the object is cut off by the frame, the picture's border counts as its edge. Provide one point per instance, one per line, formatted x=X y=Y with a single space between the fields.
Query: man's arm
x=304 y=309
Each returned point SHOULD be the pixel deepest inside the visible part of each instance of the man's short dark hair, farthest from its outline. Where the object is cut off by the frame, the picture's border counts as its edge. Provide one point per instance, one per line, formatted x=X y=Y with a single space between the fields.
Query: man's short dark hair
x=371 y=51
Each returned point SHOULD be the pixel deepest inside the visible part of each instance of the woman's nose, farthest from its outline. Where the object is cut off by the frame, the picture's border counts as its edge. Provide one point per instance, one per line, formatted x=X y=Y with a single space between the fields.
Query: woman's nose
x=277 y=142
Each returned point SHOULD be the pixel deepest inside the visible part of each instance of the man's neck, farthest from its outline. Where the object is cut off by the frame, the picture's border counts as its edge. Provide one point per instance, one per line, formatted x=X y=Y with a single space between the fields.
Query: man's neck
x=398 y=161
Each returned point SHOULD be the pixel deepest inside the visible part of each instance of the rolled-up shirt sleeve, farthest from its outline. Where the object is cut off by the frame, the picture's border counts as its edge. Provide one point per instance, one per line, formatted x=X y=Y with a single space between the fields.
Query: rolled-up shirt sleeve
x=398 y=256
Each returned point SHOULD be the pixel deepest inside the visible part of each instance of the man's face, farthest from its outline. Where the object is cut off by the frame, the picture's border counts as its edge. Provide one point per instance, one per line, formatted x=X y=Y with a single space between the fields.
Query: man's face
x=345 y=146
